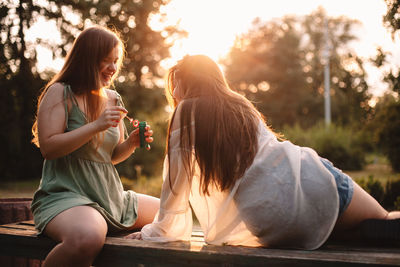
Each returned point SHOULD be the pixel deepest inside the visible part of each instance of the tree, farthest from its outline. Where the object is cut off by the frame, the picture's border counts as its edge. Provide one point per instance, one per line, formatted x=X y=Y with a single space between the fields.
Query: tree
x=20 y=81
x=387 y=111
x=386 y=125
x=265 y=65
x=391 y=20
x=279 y=65
x=349 y=89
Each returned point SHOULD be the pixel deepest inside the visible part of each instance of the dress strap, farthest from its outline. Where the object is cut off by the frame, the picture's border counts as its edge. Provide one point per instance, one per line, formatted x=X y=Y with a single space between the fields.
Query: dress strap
x=121 y=104
x=119 y=99
x=68 y=94
x=71 y=94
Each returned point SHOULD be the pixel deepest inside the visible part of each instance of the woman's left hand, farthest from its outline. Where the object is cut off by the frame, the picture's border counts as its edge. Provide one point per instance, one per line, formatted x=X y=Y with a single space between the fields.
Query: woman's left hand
x=134 y=136
x=135 y=235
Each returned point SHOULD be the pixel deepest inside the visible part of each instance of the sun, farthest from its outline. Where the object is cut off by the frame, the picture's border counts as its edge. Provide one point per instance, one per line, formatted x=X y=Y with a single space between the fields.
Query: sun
x=211 y=26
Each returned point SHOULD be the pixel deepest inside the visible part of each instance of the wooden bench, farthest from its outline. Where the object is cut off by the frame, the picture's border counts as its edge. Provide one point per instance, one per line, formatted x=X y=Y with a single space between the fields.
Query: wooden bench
x=21 y=240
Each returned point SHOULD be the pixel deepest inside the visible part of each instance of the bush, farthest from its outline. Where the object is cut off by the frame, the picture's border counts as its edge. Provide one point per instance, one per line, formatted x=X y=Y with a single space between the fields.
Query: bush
x=387 y=134
x=397 y=204
x=388 y=196
x=374 y=188
x=392 y=193
x=341 y=145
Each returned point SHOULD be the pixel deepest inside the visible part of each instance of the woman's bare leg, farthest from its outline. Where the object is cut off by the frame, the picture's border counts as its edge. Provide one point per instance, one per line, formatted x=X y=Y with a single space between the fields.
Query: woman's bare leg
x=393 y=215
x=148 y=206
x=362 y=207
x=81 y=232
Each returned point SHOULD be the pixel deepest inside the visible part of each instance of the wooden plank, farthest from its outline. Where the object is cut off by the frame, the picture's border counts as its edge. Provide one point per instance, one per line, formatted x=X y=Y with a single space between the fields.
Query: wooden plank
x=25 y=245
x=24 y=225
x=20 y=239
x=183 y=254
x=17 y=230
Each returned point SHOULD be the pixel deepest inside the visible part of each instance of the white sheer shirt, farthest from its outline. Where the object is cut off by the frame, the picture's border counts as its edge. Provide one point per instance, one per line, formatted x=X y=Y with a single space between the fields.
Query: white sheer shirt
x=286 y=198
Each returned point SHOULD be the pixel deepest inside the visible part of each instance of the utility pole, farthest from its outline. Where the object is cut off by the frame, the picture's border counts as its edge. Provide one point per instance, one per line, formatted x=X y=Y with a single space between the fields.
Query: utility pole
x=327 y=95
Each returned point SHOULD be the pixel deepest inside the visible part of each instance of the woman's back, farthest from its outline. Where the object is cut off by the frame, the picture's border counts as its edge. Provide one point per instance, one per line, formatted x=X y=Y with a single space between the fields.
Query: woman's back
x=287 y=197
x=277 y=202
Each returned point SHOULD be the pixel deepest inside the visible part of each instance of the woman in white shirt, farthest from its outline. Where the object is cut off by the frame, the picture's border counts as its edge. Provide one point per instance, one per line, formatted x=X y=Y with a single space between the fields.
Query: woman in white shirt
x=245 y=186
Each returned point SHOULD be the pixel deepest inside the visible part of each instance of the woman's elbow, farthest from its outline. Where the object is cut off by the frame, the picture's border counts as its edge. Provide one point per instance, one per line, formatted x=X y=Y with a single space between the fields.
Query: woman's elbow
x=116 y=157
x=115 y=161
x=46 y=154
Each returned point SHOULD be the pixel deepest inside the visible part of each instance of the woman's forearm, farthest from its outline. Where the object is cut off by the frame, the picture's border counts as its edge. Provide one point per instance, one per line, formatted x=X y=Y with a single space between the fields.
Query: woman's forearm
x=123 y=150
x=63 y=144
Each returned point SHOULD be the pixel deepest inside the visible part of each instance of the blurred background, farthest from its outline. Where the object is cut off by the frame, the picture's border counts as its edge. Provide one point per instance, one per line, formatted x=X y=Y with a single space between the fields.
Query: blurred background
x=324 y=73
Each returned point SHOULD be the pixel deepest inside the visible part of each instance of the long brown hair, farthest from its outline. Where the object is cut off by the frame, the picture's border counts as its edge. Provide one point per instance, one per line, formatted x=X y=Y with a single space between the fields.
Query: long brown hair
x=81 y=69
x=225 y=122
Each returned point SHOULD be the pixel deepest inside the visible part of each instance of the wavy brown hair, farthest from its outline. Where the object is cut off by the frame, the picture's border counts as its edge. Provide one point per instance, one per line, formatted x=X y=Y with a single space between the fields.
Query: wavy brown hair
x=225 y=122
x=81 y=70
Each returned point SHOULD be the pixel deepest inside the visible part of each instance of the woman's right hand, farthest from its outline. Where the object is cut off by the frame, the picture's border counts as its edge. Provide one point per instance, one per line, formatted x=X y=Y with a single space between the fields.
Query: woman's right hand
x=135 y=235
x=110 y=117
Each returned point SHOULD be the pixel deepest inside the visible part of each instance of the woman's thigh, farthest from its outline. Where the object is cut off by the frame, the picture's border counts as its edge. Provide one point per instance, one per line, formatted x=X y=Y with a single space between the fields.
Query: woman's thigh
x=77 y=222
x=362 y=206
x=148 y=207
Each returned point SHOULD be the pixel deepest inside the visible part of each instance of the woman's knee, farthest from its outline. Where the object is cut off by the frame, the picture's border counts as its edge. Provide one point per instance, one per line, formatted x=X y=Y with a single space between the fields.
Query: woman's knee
x=80 y=229
x=148 y=207
x=85 y=241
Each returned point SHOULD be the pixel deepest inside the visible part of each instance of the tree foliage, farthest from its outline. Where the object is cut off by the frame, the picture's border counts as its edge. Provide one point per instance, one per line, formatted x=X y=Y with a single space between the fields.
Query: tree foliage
x=20 y=81
x=386 y=119
x=19 y=84
x=265 y=65
x=387 y=131
x=279 y=65
x=391 y=19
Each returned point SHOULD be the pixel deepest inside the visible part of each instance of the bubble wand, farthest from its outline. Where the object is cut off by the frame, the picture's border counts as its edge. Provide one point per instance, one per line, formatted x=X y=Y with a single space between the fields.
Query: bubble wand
x=142 y=129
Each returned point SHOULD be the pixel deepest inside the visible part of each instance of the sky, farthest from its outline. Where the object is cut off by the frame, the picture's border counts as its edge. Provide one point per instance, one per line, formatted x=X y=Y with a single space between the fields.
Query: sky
x=212 y=26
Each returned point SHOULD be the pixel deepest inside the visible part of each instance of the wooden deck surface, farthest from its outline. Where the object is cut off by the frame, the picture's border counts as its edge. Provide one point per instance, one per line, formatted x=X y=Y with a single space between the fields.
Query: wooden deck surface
x=20 y=239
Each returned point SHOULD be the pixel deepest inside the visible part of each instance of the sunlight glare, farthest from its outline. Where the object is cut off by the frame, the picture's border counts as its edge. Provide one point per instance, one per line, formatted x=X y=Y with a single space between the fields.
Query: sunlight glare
x=212 y=26
x=47 y=31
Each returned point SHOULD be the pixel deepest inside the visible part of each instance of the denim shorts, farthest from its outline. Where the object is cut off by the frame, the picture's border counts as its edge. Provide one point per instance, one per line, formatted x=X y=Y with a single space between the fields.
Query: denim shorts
x=344 y=185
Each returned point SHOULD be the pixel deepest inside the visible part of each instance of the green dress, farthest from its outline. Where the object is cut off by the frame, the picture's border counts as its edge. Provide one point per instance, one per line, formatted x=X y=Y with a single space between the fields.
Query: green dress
x=84 y=177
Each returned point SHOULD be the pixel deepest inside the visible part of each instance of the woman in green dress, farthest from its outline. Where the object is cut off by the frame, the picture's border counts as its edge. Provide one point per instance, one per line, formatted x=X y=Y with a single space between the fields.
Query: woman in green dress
x=80 y=132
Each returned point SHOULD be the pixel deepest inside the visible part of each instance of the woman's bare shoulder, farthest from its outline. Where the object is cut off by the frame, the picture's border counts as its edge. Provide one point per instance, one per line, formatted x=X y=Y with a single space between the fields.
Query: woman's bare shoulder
x=54 y=93
x=56 y=88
